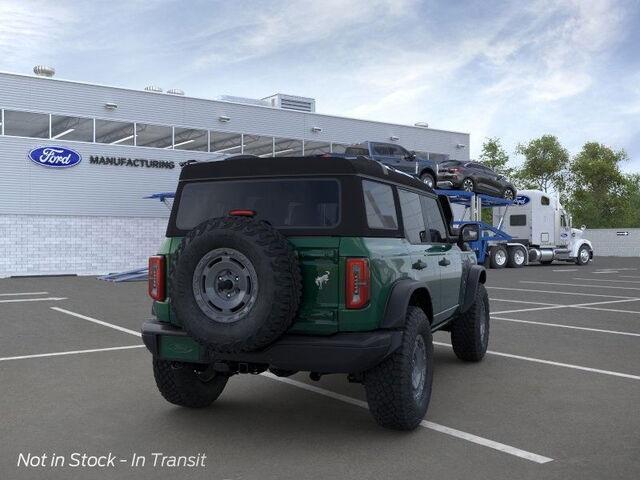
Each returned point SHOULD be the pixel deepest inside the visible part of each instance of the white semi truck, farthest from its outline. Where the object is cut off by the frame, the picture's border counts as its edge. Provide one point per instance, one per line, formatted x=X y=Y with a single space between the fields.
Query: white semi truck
x=541 y=232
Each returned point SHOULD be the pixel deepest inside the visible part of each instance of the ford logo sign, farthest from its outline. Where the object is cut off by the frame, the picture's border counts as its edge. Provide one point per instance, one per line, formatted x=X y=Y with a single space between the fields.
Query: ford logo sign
x=55 y=157
x=521 y=200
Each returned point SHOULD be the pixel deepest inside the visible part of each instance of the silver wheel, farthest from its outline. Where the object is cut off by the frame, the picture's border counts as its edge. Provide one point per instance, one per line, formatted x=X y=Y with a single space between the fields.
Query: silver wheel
x=418 y=367
x=225 y=285
x=427 y=179
x=508 y=194
x=518 y=256
x=584 y=255
x=467 y=185
x=500 y=257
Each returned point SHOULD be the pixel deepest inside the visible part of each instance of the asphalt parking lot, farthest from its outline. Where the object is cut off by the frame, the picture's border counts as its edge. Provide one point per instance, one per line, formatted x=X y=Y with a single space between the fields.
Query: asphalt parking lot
x=558 y=396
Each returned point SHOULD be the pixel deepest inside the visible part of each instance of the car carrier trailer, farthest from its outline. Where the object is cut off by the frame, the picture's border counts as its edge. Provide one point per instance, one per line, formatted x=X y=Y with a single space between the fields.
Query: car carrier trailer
x=533 y=228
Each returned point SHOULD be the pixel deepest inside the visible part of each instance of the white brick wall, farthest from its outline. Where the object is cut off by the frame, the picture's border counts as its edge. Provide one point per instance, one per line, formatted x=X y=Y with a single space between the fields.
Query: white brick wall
x=607 y=242
x=83 y=245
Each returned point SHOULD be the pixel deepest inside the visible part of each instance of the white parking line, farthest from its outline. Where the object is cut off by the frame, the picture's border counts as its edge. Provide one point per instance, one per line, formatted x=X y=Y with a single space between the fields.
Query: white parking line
x=573 y=327
x=555 y=364
x=19 y=300
x=566 y=270
x=576 y=294
x=521 y=301
x=608 y=280
x=581 y=285
x=73 y=352
x=23 y=293
x=533 y=457
x=629 y=276
x=577 y=305
x=99 y=322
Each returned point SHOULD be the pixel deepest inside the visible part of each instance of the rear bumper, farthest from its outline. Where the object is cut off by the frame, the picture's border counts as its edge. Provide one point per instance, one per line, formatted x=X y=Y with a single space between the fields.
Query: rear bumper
x=338 y=353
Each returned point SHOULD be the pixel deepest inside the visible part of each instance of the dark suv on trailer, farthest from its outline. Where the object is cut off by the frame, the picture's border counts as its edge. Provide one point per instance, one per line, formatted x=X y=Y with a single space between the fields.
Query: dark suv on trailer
x=323 y=265
x=474 y=177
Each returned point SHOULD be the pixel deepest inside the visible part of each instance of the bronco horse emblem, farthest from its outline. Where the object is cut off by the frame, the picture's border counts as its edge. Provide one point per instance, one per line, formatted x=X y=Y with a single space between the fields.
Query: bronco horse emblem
x=321 y=280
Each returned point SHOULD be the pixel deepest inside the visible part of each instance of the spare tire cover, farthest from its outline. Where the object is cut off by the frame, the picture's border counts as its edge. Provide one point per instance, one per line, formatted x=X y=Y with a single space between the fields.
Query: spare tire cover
x=235 y=284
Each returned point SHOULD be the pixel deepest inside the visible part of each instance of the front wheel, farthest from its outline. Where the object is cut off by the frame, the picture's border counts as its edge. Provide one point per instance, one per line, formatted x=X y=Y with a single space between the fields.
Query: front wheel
x=468 y=185
x=470 y=330
x=584 y=255
x=508 y=194
x=180 y=384
x=498 y=256
x=428 y=180
x=399 y=389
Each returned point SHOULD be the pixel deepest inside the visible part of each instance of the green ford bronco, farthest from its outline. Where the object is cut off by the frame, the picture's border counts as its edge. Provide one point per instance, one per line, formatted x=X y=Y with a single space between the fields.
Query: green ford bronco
x=322 y=265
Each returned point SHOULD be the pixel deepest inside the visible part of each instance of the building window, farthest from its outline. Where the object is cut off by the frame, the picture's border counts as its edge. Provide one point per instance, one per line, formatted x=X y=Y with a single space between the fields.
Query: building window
x=114 y=133
x=226 y=143
x=26 y=124
x=71 y=128
x=316 y=148
x=190 y=139
x=258 y=146
x=379 y=205
x=157 y=136
x=286 y=147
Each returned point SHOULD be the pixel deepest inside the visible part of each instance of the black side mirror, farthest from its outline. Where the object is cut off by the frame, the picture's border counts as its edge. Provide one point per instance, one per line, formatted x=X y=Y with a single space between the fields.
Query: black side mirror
x=468 y=233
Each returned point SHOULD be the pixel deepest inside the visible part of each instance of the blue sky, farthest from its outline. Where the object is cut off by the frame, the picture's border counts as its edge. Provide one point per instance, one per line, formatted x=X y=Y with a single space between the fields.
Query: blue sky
x=515 y=70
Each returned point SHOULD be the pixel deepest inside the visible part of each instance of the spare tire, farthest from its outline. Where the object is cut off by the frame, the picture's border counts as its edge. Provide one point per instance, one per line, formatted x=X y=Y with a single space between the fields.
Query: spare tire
x=235 y=284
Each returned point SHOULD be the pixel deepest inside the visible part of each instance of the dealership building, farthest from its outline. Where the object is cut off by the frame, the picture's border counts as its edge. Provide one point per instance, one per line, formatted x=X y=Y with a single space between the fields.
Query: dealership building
x=77 y=161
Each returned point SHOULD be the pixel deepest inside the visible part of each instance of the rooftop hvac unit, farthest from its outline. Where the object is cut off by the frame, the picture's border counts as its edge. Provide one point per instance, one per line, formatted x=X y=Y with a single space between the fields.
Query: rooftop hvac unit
x=292 y=102
x=175 y=91
x=44 y=71
x=153 y=88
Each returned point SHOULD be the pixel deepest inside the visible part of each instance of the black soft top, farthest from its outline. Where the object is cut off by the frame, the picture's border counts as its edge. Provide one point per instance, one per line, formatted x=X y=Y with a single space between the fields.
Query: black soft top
x=254 y=167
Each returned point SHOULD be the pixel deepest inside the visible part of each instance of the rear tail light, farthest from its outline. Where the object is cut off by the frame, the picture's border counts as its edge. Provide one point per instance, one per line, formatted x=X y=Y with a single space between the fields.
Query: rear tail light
x=238 y=212
x=357 y=288
x=157 y=278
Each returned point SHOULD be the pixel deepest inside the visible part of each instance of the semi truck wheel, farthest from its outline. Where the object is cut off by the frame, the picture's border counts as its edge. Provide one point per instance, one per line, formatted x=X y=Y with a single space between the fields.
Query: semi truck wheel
x=399 y=389
x=584 y=255
x=517 y=257
x=498 y=256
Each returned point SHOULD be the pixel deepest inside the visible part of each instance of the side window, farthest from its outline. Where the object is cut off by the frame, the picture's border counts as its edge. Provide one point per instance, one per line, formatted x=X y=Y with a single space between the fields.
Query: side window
x=380 y=205
x=433 y=219
x=544 y=200
x=563 y=221
x=397 y=152
x=412 y=218
x=517 y=220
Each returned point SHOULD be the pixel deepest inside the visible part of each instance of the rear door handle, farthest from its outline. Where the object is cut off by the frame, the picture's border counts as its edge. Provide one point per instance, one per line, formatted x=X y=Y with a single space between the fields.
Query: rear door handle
x=419 y=265
x=444 y=262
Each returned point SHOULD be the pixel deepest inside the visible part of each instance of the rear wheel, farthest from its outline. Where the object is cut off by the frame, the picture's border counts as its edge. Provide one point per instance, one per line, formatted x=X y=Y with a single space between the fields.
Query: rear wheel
x=470 y=330
x=180 y=384
x=498 y=256
x=517 y=257
x=428 y=179
x=399 y=389
x=508 y=193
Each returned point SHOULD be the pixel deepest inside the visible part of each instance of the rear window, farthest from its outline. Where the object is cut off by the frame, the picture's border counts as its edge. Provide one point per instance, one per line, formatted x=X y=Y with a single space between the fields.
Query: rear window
x=299 y=203
x=449 y=163
x=355 y=151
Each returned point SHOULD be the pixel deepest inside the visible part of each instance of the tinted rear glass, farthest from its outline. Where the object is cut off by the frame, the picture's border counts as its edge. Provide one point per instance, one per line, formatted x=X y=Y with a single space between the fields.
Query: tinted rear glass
x=355 y=151
x=449 y=163
x=296 y=203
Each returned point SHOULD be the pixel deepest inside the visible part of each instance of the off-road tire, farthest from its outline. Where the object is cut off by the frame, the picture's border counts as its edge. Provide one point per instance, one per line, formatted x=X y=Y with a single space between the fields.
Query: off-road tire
x=493 y=251
x=468 y=339
x=389 y=386
x=179 y=384
x=426 y=177
x=279 y=284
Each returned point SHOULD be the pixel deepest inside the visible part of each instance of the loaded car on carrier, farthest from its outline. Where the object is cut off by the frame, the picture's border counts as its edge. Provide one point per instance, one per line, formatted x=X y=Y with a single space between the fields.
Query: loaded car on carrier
x=323 y=265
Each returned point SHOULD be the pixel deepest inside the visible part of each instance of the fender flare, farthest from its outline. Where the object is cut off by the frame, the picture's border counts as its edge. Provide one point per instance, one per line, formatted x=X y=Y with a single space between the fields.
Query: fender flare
x=576 y=247
x=395 y=311
x=476 y=275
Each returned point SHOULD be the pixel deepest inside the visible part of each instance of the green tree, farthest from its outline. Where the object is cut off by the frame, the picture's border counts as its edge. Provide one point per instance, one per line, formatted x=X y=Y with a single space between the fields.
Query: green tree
x=601 y=196
x=545 y=164
x=495 y=157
